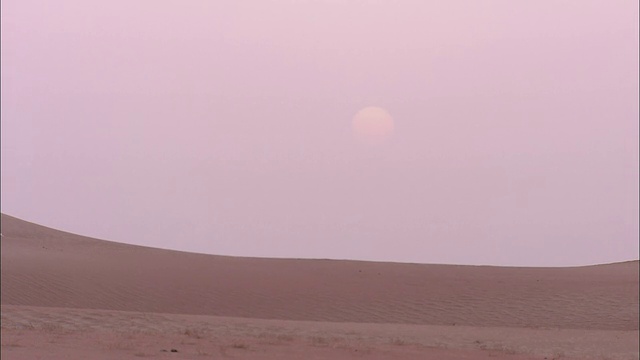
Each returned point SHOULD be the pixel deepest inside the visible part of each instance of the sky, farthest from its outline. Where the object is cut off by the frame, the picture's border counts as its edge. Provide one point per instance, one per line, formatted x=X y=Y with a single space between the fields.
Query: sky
x=225 y=127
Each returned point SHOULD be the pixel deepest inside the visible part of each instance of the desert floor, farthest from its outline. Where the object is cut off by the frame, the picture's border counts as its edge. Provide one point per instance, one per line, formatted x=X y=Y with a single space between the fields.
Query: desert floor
x=66 y=296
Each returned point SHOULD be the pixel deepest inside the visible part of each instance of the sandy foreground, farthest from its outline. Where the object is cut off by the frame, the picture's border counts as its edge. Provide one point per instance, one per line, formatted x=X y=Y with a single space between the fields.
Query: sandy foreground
x=70 y=297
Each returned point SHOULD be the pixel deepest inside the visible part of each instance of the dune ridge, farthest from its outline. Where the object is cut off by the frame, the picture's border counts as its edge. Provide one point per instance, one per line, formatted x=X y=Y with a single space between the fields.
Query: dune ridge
x=44 y=267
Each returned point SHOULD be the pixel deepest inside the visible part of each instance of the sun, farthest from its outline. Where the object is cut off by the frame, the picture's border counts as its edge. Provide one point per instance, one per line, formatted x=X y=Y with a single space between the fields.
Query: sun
x=372 y=125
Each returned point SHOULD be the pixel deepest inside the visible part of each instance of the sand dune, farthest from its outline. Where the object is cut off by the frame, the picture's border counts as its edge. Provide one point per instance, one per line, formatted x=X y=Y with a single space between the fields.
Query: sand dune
x=45 y=268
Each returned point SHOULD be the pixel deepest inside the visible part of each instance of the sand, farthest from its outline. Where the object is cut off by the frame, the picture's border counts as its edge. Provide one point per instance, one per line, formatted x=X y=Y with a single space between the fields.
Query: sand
x=65 y=296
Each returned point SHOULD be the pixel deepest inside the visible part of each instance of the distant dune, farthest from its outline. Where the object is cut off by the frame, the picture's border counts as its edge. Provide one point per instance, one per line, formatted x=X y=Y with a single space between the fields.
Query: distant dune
x=46 y=268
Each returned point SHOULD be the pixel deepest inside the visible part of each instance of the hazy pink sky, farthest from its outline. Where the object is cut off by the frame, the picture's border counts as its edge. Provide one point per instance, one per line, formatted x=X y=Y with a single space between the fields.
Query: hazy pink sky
x=225 y=127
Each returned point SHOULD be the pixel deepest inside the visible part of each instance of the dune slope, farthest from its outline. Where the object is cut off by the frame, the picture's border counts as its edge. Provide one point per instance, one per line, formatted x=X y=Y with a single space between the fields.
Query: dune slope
x=49 y=268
